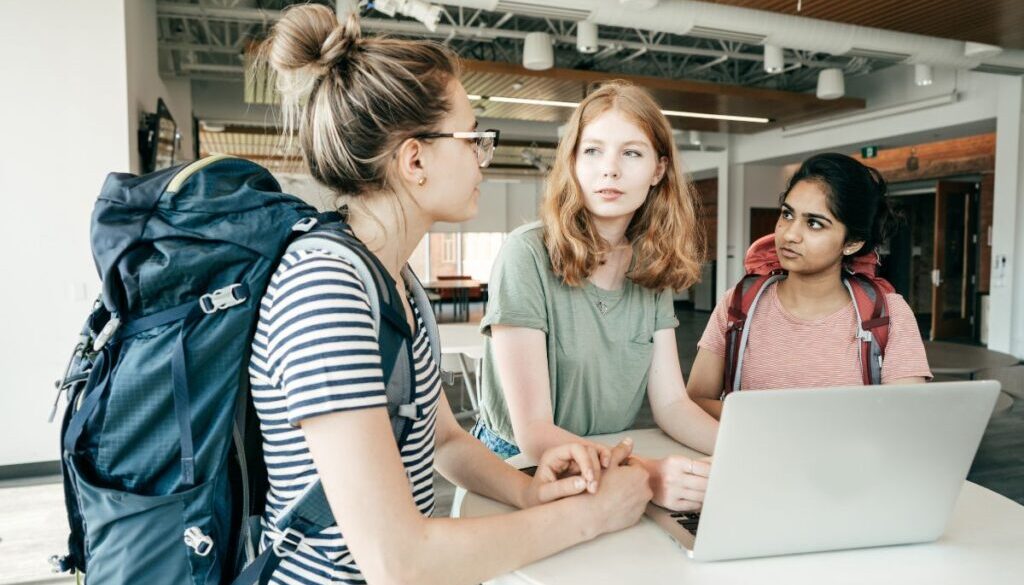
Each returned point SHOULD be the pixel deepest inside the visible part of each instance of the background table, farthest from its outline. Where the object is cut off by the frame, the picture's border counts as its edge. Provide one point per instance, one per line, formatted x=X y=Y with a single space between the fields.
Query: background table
x=969 y=361
x=459 y=290
x=465 y=342
x=964 y=360
x=983 y=544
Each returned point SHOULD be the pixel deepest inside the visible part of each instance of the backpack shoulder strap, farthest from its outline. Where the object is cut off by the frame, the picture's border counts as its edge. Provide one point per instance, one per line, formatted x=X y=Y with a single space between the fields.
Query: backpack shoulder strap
x=419 y=298
x=393 y=332
x=742 y=303
x=872 y=324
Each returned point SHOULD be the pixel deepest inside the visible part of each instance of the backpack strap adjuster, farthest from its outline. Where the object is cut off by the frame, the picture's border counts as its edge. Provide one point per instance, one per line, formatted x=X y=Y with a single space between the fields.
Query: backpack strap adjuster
x=411 y=411
x=223 y=298
x=305 y=224
x=287 y=542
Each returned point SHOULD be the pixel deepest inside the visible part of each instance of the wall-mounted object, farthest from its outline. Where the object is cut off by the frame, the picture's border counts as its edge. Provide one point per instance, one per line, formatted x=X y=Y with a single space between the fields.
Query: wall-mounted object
x=158 y=139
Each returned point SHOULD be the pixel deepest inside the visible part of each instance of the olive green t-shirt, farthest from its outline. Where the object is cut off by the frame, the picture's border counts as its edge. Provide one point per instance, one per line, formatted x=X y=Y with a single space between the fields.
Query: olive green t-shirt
x=599 y=342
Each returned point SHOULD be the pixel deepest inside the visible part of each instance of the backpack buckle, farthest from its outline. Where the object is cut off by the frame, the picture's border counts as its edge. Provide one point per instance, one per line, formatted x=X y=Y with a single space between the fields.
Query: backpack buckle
x=106 y=333
x=287 y=543
x=305 y=224
x=60 y=564
x=200 y=543
x=223 y=298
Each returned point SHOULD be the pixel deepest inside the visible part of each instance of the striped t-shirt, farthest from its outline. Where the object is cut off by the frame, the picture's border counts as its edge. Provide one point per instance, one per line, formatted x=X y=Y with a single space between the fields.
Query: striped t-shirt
x=316 y=352
x=784 y=351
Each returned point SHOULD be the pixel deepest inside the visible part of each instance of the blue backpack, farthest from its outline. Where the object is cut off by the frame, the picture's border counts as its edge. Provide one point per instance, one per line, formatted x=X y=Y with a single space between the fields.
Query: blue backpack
x=164 y=478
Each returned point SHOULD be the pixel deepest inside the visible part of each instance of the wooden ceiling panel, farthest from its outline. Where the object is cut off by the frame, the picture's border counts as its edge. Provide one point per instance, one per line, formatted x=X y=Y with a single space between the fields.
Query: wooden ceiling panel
x=996 y=22
x=487 y=78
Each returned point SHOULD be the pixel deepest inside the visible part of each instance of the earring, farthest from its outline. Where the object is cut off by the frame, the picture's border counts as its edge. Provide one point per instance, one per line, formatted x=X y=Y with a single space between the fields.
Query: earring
x=421 y=181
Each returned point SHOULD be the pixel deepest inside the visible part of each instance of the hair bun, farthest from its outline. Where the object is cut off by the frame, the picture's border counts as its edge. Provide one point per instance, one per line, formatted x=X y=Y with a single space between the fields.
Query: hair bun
x=310 y=35
x=340 y=42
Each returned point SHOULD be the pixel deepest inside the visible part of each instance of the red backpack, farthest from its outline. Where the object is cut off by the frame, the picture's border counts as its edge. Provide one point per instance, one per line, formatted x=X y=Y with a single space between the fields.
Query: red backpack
x=763 y=269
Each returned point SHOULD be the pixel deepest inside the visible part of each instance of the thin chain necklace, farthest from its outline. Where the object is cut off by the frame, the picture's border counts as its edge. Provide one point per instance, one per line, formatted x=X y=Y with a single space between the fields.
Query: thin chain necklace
x=602 y=305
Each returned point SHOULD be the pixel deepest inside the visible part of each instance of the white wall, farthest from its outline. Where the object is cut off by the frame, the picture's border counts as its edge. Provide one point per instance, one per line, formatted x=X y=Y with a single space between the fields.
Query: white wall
x=1006 y=300
x=65 y=114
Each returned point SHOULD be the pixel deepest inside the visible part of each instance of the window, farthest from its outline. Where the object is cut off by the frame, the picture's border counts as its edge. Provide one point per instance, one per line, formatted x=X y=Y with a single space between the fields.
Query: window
x=468 y=254
x=444 y=259
x=479 y=250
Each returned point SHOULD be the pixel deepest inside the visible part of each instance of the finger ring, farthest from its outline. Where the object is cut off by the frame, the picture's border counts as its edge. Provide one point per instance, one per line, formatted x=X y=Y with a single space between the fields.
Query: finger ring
x=691 y=467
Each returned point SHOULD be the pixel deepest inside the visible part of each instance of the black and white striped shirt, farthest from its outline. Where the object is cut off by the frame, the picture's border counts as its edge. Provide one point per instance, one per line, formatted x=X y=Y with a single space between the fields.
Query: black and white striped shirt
x=316 y=352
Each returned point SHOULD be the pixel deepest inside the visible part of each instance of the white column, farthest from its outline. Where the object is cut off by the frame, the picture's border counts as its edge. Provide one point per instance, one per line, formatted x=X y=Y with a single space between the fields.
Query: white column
x=1006 y=315
x=722 y=275
x=737 y=245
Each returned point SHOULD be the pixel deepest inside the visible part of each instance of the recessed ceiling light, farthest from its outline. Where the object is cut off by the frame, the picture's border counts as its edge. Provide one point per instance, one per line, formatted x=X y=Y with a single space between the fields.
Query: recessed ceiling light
x=726 y=117
x=676 y=113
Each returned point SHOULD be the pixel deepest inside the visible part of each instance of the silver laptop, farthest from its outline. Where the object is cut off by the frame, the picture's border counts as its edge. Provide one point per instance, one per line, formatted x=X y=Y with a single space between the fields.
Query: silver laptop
x=798 y=471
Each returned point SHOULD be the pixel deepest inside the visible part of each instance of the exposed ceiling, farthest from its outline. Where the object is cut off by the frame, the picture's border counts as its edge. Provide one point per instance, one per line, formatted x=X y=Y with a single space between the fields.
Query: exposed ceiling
x=714 y=65
x=995 y=22
x=205 y=39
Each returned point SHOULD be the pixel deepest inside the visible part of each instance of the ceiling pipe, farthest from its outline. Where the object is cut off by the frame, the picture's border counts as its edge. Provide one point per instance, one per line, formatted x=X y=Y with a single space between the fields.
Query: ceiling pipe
x=684 y=17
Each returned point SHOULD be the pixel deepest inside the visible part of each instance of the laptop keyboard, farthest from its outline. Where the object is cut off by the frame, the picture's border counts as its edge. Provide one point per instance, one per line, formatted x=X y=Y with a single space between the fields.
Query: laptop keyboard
x=688 y=520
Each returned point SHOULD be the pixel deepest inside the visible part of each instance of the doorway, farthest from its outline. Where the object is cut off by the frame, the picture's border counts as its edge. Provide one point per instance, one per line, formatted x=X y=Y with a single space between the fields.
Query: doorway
x=933 y=258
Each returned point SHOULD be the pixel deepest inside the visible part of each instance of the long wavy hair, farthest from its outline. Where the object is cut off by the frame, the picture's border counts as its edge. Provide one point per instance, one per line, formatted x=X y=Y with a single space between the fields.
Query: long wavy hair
x=668 y=246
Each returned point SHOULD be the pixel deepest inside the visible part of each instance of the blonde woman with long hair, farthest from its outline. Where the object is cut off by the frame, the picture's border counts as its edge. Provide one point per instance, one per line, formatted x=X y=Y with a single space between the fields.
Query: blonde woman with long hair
x=387 y=124
x=580 y=317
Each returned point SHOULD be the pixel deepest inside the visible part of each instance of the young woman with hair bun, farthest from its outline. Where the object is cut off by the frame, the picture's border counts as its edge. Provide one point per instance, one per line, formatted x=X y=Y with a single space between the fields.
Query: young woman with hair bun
x=386 y=125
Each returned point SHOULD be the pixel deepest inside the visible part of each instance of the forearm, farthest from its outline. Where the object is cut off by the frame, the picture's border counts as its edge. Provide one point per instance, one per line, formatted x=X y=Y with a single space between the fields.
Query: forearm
x=712 y=406
x=488 y=475
x=534 y=438
x=472 y=550
x=689 y=423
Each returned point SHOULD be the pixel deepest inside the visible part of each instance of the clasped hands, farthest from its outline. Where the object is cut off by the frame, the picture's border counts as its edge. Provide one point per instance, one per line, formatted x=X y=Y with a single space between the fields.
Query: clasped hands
x=675 y=482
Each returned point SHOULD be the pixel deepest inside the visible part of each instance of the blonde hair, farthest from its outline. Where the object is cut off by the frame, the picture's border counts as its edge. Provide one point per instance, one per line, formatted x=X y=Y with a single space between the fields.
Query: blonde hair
x=667 y=244
x=354 y=99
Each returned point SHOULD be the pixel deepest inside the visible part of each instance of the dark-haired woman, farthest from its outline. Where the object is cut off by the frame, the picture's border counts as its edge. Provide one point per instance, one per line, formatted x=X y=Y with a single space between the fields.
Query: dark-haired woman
x=804 y=332
x=386 y=124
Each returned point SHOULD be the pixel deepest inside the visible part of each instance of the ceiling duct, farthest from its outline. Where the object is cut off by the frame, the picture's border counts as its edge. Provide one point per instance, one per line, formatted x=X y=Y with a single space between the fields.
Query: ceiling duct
x=707 y=32
x=541 y=10
x=878 y=55
x=684 y=17
x=1000 y=69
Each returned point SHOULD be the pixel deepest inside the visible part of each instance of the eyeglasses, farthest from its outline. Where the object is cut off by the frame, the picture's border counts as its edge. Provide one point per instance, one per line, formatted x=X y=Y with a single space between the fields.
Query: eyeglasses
x=484 y=142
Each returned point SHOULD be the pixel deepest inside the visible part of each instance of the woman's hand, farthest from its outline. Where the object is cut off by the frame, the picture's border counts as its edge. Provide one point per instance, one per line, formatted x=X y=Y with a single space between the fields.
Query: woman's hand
x=566 y=470
x=624 y=492
x=678 y=482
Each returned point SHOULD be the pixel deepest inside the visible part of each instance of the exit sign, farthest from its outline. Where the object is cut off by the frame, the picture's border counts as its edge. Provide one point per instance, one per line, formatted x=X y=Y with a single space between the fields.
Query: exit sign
x=869 y=152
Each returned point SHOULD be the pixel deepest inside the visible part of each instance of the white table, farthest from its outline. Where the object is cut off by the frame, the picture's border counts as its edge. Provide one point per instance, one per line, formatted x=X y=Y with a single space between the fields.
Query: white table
x=465 y=342
x=983 y=545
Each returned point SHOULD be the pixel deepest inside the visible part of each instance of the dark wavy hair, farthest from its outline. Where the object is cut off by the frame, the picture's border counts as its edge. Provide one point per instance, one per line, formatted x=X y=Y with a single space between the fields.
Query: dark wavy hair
x=856 y=195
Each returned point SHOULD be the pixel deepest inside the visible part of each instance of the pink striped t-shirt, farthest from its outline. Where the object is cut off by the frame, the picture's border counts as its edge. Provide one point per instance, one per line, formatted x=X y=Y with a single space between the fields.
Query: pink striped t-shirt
x=784 y=351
